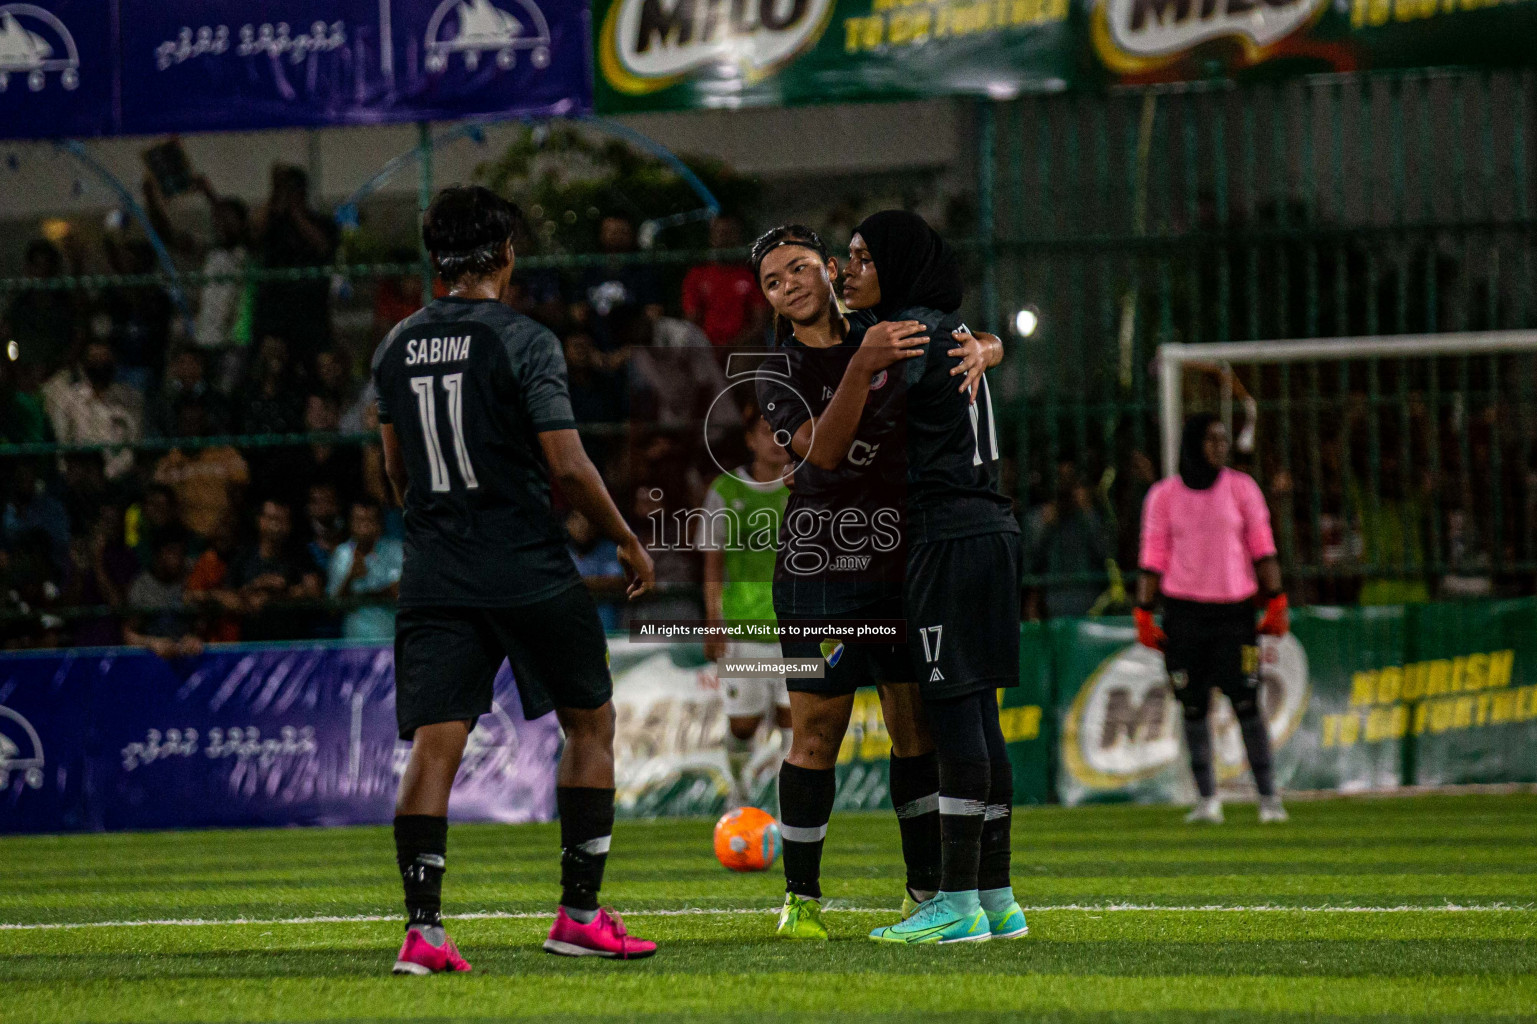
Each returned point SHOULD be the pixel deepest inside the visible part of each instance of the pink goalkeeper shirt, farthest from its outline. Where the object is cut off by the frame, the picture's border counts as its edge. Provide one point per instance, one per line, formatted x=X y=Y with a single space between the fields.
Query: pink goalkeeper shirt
x=1205 y=543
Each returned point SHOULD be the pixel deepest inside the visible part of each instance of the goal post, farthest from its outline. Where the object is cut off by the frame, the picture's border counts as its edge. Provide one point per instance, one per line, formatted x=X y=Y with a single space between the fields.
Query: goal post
x=1173 y=358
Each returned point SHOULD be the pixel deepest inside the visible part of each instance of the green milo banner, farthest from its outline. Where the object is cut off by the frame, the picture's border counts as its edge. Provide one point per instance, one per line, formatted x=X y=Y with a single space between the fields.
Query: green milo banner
x=684 y=54
x=1357 y=699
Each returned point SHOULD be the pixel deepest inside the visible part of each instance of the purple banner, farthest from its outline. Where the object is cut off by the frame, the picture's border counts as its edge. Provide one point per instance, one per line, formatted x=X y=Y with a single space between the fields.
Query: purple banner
x=238 y=737
x=101 y=67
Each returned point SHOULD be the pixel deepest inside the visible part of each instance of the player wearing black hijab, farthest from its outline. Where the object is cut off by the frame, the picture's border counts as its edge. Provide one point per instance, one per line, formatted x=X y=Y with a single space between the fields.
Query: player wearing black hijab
x=962 y=592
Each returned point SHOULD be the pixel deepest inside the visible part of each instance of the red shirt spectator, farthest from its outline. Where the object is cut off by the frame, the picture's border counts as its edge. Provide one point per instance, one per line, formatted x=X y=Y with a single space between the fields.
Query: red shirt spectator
x=724 y=298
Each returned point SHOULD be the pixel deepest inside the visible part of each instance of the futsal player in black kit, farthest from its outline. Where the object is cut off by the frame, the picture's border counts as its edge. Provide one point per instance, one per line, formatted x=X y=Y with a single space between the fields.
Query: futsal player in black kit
x=476 y=421
x=962 y=595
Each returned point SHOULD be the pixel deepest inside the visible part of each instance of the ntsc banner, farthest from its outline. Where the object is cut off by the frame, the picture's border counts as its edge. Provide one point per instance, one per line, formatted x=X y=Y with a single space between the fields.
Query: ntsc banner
x=97 y=67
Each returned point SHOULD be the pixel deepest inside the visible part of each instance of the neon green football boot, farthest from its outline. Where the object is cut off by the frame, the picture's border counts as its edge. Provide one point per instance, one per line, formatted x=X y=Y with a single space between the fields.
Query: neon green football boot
x=948 y=917
x=801 y=918
x=1005 y=919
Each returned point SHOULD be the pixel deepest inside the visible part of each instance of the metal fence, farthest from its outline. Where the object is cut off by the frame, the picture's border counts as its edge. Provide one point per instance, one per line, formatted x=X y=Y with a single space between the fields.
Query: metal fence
x=1320 y=207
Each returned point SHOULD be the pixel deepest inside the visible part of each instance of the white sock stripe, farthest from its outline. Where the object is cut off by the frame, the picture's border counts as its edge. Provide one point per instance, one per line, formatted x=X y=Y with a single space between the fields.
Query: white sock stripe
x=996 y=811
x=594 y=847
x=431 y=860
x=955 y=805
x=923 y=805
x=801 y=834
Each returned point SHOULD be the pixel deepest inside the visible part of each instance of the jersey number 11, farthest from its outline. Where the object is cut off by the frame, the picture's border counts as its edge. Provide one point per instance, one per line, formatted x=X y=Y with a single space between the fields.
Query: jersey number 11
x=427 y=409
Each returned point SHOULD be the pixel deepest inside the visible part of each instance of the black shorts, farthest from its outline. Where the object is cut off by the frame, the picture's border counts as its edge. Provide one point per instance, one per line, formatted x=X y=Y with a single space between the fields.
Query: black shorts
x=447 y=658
x=963 y=614
x=851 y=665
x=1211 y=646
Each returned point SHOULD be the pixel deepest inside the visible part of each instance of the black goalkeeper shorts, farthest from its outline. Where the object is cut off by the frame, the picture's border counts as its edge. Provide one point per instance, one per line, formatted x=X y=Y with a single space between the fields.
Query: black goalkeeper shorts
x=447 y=658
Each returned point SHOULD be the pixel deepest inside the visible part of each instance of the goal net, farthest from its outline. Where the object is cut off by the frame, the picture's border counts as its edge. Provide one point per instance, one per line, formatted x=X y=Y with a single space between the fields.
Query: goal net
x=1397 y=468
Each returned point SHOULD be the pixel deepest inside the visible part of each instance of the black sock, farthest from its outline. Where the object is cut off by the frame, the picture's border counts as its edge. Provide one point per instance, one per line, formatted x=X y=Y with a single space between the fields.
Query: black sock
x=1198 y=739
x=586 y=826
x=1256 y=743
x=915 y=796
x=805 y=804
x=993 y=866
x=421 y=844
x=963 y=792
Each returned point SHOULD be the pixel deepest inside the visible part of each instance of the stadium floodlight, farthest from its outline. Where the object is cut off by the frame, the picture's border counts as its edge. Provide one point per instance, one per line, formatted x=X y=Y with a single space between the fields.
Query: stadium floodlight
x=1173 y=357
x=1026 y=321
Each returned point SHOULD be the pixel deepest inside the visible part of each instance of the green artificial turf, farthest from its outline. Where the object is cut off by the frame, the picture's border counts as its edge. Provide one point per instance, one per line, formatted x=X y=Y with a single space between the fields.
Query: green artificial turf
x=1412 y=909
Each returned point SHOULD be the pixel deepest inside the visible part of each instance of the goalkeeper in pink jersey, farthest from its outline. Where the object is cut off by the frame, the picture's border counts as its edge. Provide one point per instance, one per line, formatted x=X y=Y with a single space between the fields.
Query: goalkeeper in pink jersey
x=1208 y=550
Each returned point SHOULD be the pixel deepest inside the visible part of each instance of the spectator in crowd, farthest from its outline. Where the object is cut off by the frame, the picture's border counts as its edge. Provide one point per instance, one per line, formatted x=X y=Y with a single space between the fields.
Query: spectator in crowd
x=367 y=566
x=99 y=409
x=44 y=323
x=274 y=403
x=597 y=559
x=335 y=380
x=104 y=569
x=271 y=571
x=158 y=616
x=209 y=587
x=153 y=515
x=290 y=235
x=724 y=298
x=85 y=489
x=23 y=419
x=138 y=316
x=223 y=320
x=618 y=283
x=30 y=511
x=324 y=524
x=598 y=391
x=340 y=465
x=186 y=379
x=1067 y=537
x=208 y=481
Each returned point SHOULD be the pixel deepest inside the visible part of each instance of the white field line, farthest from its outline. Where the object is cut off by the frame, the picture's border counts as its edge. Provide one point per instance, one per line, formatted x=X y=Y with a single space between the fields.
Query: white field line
x=502 y=915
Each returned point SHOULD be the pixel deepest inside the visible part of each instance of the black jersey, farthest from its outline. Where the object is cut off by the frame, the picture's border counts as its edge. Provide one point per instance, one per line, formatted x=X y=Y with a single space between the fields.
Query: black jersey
x=469 y=385
x=952 y=445
x=841 y=543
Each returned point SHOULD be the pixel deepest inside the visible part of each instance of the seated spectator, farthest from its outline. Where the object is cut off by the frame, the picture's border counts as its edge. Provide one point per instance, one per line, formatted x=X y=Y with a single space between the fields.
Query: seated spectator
x=334 y=378
x=105 y=568
x=99 y=409
x=597 y=559
x=598 y=392
x=157 y=617
x=31 y=510
x=207 y=481
x=724 y=298
x=367 y=566
x=271 y=571
x=1066 y=537
x=185 y=380
x=325 y=527
x=85 y=488
x=209 y=587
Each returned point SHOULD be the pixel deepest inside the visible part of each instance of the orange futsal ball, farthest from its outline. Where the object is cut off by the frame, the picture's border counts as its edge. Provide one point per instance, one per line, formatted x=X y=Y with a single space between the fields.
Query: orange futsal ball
x=747 y=839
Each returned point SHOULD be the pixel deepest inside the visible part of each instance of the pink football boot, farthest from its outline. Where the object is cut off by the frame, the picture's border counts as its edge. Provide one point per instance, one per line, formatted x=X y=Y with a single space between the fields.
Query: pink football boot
x=418 y=956
x=605 y=936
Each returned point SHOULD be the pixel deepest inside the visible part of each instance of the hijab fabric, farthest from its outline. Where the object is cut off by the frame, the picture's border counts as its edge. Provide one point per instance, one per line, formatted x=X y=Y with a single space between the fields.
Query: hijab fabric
x=1194 y=469
x=915 y=266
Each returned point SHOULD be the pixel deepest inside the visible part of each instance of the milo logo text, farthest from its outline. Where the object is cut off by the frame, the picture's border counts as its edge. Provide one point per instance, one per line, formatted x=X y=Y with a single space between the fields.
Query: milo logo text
x=650 y=44
x=1140 y=35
